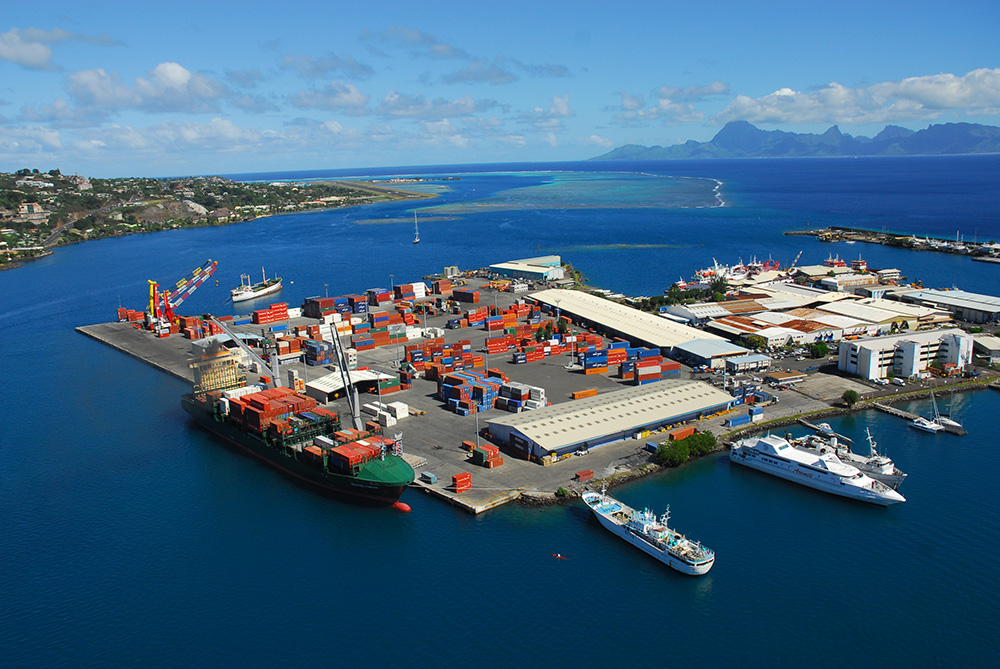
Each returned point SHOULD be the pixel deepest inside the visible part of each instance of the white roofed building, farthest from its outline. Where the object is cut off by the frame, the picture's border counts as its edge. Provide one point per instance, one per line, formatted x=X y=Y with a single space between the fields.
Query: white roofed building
x=605 y=418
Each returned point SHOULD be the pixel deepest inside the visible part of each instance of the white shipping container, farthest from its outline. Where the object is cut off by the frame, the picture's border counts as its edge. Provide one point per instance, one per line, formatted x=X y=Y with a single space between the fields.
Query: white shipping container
x=385 y=420
x=295 y=312
x=370 y=409
x=324 y=441
x=398 y=409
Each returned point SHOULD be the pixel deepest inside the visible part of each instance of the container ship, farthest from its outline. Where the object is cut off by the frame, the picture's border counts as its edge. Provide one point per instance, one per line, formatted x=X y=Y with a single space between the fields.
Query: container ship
x=291 y=433
x=247 y=291
x=644 y=530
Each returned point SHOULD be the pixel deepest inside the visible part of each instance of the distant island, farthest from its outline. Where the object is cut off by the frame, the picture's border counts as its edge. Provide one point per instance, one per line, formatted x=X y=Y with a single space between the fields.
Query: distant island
x=739 y=139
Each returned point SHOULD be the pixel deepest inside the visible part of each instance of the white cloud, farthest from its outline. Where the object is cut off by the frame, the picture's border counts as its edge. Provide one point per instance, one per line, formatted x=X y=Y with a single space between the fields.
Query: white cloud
x=336 y=95
x=399 y=105
x=479 y=71
x=913 y=98
x=596 y=140
x=672 y=105
x=549 y=120
x=692 y=93
x=632 y=102
x=169 y=87
x=30 y=48
x=978 y=89
x=311 y=67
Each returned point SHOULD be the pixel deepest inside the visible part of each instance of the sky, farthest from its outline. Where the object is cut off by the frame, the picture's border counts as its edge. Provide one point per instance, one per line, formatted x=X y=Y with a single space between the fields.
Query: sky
x=109 y=89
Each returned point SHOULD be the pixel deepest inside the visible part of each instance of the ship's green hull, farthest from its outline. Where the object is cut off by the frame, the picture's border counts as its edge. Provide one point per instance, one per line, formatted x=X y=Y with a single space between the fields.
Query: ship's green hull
x=378 y=482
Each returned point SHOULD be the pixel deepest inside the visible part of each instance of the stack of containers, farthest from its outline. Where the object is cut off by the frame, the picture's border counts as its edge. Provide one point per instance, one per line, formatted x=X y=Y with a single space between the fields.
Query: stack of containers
x=466 y=296
x=379 y=297
x=487 y=455
x=646 y=371
x=670 y=368
x=442 y=287
x=404 y=292
x=256 y=411
x=273 y=314
x=501 y=344
x=594 y=362
x=461 y=482
x=358 y=303
x=130 y=315
x=477 y=317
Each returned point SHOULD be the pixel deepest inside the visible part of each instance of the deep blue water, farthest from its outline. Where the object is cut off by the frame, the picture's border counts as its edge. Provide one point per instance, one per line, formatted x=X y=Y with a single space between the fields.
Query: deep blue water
x=128 y=536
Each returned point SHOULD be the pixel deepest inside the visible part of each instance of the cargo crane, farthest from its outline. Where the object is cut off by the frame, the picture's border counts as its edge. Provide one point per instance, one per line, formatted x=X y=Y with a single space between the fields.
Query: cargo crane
x=162 y=303
x=792 y=266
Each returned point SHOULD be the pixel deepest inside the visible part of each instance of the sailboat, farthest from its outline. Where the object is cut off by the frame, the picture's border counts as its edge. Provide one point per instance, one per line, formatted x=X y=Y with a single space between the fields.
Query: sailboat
x=948 y=419
x=943 y=420
x=416 y=230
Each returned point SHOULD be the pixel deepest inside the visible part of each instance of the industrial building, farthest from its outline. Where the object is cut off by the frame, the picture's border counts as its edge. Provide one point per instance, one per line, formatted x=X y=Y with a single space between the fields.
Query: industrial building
x=543 y=268
x=904 y=355
x=988 y=348
x=619 y=320
x=708 y=352
x=592 y=422
x=742 y=364
x=971 y=307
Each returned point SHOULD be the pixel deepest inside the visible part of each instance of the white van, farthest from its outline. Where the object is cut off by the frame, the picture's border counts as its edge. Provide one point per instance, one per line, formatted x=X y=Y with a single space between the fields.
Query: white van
x=899 y=382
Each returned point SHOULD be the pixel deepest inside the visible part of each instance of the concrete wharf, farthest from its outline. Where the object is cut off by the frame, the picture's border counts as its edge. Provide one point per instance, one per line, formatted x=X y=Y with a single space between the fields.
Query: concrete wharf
x=432 y=439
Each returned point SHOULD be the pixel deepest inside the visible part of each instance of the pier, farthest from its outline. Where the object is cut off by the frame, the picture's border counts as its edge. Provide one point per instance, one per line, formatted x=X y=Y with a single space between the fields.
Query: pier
x=911 y=416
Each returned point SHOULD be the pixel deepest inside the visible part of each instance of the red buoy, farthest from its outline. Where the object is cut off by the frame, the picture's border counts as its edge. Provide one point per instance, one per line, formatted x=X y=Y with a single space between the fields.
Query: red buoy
x=402 y=506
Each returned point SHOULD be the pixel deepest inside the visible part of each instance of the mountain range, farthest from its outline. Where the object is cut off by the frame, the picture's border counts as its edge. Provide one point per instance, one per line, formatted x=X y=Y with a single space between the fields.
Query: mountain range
x=740 y=139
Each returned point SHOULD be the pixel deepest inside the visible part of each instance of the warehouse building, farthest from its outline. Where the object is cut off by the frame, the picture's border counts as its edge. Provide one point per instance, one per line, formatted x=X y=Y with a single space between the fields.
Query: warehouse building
x=904 y=355
x=708 y=352
x=610 y=417
x=543 y=268
x=971 y=307
x=619 y=320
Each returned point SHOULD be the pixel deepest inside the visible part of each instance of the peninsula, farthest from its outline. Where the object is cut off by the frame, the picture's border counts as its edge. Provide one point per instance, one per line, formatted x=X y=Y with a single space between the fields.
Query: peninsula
x=43 y=210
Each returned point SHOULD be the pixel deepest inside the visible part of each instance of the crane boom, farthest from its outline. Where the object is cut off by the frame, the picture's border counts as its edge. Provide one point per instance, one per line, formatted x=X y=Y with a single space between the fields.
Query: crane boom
x=275 y=365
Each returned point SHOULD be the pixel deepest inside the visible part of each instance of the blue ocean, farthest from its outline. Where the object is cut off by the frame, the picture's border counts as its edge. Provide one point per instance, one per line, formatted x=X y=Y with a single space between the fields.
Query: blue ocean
x=128 y=536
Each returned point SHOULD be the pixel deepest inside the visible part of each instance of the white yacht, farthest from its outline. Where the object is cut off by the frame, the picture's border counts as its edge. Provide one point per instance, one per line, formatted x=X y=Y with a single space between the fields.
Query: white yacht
x=826 y=472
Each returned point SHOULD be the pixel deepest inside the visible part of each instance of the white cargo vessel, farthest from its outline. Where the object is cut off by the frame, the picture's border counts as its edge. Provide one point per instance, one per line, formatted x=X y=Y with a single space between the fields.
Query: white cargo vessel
x=644 y=530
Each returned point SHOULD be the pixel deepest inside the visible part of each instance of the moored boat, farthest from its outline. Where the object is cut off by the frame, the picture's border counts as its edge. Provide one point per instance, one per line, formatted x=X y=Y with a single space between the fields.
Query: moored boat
x=247 y=291
x=876 y=465
x=776 y=456
x=644 y=530
x=926 y=424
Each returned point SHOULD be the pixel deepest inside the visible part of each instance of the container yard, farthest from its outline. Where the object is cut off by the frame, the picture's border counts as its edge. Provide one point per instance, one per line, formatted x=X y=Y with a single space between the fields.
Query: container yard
x=429 y=358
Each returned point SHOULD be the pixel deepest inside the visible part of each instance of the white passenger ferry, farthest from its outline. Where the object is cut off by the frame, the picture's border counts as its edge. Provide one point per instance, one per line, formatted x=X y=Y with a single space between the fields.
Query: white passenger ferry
x=826 y=472
x=644 y=530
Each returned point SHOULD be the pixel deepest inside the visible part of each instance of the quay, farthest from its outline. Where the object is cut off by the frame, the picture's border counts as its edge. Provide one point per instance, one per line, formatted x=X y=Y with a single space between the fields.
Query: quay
x=977 y=251
x=432 y=438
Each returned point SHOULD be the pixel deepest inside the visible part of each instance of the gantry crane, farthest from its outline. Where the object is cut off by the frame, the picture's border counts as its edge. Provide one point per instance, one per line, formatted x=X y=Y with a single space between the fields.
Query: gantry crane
x=162 y=303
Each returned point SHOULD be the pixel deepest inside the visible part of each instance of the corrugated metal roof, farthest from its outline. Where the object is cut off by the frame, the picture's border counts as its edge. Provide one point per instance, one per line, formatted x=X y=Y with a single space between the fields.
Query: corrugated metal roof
x=958 y=298
x=632 y=323
x=333 y=382
x=710 y=348
x=590 y=419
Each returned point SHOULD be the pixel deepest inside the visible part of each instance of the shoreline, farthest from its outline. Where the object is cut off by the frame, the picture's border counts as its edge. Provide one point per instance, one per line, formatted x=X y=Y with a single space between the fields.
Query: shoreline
x=726 y=440
x=397 y=195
